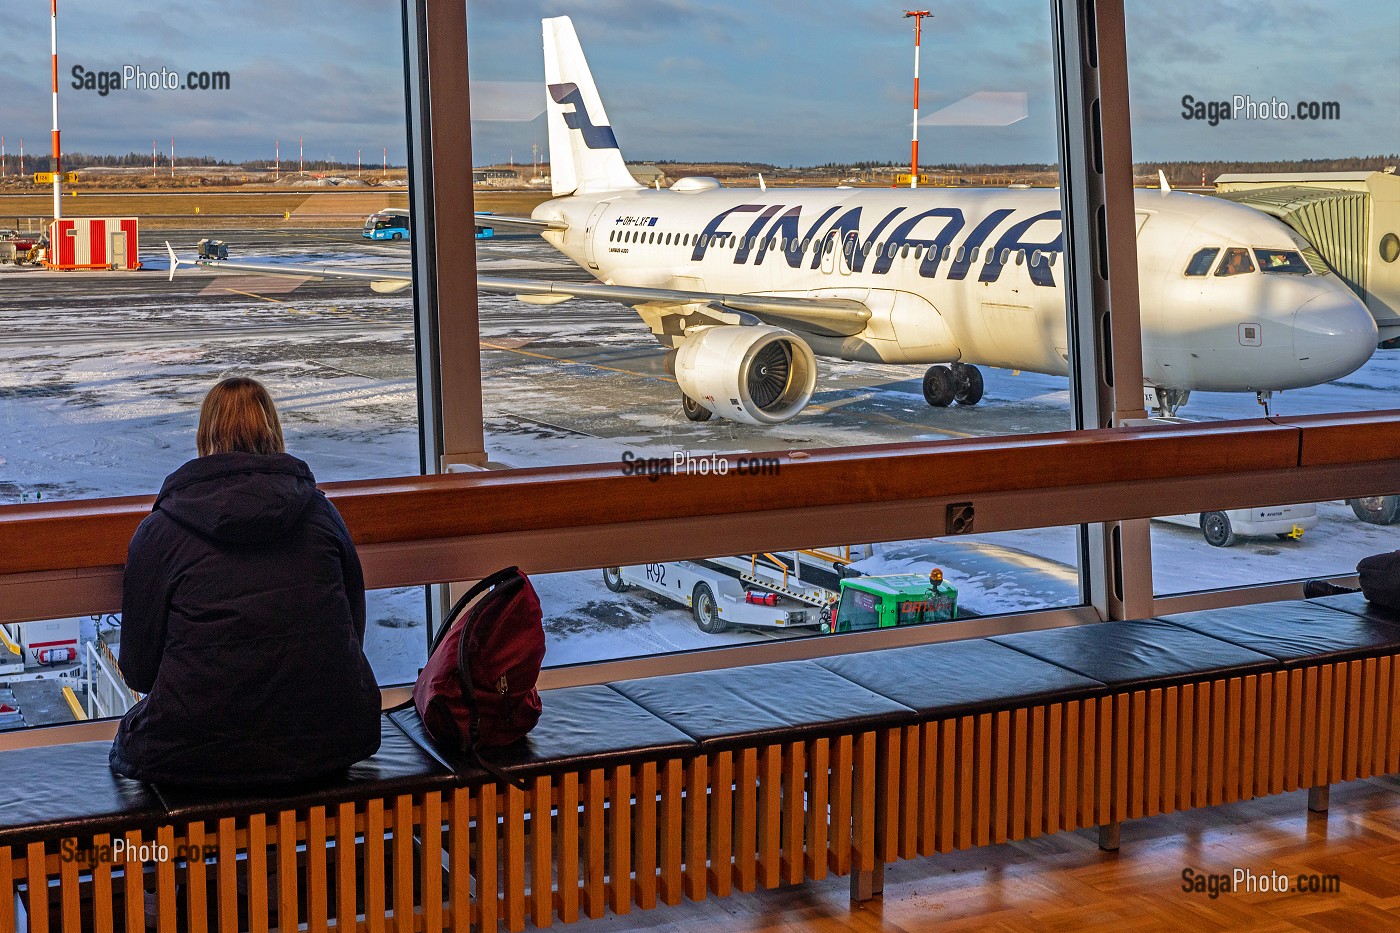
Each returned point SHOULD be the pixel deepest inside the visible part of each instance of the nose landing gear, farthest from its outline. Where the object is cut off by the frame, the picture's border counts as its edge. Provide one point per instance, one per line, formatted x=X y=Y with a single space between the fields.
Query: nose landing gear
x=1164 y=403
x=1264 y=398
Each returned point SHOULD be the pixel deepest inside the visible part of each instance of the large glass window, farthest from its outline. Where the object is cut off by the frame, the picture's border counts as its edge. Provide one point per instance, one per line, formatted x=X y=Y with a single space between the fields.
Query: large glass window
x=816 y=592
x=1273 y=158
x=267 y=137
x=902 y=310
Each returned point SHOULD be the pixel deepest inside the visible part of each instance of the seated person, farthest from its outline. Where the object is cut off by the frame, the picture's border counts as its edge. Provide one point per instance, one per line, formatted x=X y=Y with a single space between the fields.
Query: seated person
x=1380 y=579
x=1379 y=576
x=243 y=616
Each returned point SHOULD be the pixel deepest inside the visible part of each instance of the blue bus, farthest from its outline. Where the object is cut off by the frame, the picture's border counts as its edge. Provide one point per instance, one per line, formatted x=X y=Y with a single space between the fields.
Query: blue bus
x=389 y=224
x=392 y=224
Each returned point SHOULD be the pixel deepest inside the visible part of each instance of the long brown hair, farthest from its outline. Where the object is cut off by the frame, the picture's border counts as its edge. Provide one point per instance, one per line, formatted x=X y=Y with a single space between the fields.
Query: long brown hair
x=238 y=416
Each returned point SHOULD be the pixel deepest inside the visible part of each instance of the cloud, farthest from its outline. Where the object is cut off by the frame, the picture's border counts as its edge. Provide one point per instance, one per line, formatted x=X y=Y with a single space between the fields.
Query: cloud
x=781 y=81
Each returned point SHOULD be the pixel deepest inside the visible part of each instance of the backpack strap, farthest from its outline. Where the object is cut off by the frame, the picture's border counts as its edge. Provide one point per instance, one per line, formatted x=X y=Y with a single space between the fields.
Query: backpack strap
x=481 y=586
x=496 y=579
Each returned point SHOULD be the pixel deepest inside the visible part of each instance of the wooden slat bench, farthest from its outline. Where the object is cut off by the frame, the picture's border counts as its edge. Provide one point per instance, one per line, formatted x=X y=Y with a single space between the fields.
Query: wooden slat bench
x=650 y=791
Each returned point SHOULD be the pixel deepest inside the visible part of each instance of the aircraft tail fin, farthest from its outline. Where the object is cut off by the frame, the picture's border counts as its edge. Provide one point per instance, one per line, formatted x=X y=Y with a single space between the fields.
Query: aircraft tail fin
x=583 y=153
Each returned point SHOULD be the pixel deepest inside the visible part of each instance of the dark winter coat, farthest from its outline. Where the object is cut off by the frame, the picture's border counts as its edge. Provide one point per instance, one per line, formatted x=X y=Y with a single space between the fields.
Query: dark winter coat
x=1380 y=578
x=243 y=620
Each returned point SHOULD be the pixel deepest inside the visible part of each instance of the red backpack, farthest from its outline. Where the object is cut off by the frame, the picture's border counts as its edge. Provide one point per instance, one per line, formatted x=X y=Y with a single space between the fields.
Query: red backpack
x=478 y=689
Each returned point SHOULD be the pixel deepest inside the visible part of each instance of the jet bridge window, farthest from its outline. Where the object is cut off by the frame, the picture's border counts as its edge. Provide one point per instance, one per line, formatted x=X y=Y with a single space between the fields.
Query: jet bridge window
x=1281 y=260
x=1236 y=262
x=1201 y=262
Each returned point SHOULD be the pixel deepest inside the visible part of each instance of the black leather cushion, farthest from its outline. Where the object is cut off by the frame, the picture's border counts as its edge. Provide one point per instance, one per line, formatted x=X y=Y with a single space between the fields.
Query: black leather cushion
x=747 y=705
x=69 y=790
x=1358 y=605
x=399 y=767
x=960 y=677
x=580 y=727
x=1127 y=655
x=1295 y=632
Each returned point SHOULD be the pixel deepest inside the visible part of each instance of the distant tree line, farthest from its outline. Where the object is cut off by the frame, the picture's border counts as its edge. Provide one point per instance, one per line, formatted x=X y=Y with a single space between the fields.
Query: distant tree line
x=1184 y=171
x=1191 y=172
x=1187 y=172
x=74 y=161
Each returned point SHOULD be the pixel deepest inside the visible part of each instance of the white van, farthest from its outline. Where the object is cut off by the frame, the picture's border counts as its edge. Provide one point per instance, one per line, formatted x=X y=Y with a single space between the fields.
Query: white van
x=1221 y=528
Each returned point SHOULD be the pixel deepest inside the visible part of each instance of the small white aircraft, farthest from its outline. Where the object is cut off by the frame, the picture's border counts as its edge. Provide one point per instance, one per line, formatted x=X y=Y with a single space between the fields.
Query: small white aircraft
x=747 y=287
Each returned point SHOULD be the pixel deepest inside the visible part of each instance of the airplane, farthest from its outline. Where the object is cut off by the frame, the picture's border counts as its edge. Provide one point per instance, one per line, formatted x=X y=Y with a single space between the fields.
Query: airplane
x=748 y=287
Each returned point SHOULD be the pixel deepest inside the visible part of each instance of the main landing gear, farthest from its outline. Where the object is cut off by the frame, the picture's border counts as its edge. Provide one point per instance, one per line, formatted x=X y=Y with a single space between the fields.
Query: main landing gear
x=959 y=382
x=694 y=411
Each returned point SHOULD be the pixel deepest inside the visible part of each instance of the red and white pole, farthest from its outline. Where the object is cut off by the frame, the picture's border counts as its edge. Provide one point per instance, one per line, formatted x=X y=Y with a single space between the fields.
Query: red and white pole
x=918 y=16
x=57 y=151
x=301 y=155
x=155 y=160
x=276 y=159
x=2 y=157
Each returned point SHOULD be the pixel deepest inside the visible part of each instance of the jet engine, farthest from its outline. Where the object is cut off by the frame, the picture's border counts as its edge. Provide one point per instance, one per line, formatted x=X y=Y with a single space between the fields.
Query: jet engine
x=755 y=374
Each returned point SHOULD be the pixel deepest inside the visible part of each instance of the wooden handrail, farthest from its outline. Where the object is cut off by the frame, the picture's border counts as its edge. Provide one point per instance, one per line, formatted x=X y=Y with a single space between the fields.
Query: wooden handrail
x=1351 y=438
x=91 y=533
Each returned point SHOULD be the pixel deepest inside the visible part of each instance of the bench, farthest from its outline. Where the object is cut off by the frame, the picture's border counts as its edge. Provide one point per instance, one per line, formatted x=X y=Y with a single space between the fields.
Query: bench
x=653 y=790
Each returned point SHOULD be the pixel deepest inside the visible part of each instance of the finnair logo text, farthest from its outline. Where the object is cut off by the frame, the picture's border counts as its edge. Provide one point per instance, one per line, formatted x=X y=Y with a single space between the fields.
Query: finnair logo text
x=944 y=239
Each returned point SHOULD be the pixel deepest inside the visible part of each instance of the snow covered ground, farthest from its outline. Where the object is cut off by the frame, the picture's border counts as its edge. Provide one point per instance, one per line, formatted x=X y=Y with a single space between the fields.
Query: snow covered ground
x=101 y=376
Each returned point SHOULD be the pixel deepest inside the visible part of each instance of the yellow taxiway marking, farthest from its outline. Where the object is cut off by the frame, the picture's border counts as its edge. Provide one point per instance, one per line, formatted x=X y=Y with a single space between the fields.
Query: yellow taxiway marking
x=251 y=295
x=872 y=416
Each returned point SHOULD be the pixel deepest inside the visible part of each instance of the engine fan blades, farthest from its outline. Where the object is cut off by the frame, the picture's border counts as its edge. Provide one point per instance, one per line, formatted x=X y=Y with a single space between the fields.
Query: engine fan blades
x=769 y=374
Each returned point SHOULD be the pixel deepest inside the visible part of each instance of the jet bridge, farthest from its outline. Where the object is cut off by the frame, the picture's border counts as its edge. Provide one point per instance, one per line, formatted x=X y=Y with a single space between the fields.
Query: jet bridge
x=1352 y=220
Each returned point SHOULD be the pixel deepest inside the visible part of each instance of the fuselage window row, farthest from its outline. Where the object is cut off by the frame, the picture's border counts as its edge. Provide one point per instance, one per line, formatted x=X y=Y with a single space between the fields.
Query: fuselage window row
x=1200 y=265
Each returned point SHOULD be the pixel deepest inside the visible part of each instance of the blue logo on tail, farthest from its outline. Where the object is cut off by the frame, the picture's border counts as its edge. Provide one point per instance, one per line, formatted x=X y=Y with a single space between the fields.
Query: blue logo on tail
x=594 y=137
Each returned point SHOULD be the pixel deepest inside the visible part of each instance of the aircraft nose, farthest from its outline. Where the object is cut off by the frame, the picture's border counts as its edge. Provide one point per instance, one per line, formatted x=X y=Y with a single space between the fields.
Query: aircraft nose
x=1333 y=335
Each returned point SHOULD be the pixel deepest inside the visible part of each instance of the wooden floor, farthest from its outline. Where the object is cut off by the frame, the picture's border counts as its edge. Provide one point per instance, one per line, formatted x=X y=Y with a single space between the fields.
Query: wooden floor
x=1064 y=882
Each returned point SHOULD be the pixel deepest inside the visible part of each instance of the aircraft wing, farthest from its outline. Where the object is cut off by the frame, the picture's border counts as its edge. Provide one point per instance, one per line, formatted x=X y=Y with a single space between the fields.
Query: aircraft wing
x=521 y=224
x=840 y=317
x=384 y=281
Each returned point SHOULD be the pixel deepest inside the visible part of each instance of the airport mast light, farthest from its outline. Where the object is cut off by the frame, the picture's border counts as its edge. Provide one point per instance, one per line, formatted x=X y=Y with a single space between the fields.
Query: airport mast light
x=57 y=158
x=918 y=16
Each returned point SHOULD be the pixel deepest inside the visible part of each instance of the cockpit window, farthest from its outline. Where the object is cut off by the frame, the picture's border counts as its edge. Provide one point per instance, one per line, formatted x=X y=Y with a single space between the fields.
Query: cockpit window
x=1236 y=262
x=1281 y=260
x=1201 y=262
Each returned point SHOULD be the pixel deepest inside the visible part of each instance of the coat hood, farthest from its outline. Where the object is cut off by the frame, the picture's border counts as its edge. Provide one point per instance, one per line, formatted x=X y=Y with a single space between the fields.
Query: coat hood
x=239 y=498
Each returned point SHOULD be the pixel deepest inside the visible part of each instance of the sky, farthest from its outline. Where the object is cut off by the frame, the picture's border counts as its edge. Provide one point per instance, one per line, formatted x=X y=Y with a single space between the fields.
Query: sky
x=780 y=81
